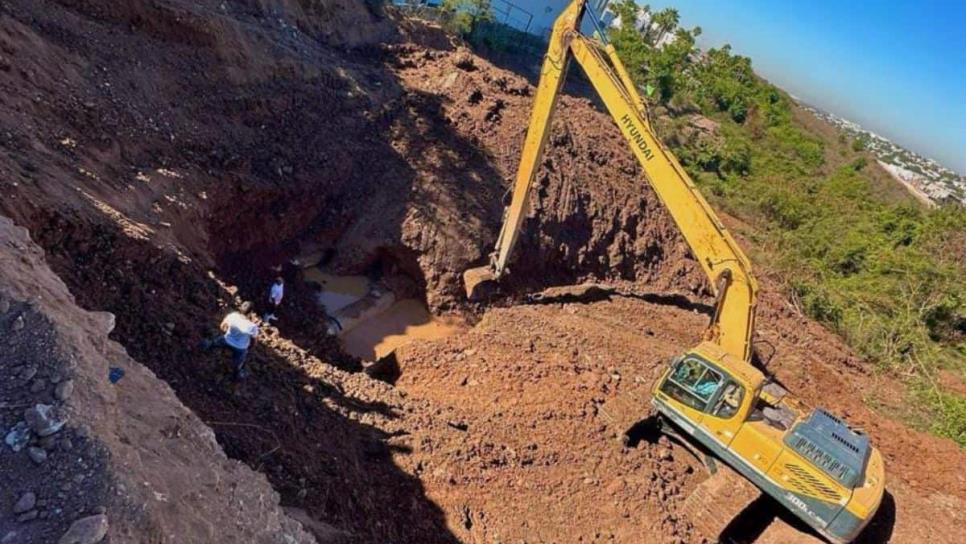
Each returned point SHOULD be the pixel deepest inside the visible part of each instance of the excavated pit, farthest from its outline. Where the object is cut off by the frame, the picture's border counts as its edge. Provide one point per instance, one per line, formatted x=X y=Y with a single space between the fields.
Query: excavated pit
x=183 y=204
x=292 y=419
x=169 y=156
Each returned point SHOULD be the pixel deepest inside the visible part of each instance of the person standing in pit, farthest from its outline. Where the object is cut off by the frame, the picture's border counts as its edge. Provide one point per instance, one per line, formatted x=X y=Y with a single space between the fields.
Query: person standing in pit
x=275 y=294
x=239 y=334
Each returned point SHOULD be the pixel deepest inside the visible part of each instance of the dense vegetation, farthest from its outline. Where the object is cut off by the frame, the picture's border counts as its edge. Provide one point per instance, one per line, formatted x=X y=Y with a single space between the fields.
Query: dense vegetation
x=881 y=270
x=464 y=15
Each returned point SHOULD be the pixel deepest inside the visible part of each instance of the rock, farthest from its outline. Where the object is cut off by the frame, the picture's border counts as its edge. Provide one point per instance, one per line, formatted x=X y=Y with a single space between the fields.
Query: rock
x=458 y=425
x=26 y=503
x=664 y=454
x=64 y=390
x=4 y=306
x=42 y=420
x=39 y=385
x=18 y=323
x=48 y=442
x=107 y=319
x=28 y=373
x=89 y=530
x=9 y=538
x=615 y=487
x=37 y=455
x=29 y=516
x=18 y=436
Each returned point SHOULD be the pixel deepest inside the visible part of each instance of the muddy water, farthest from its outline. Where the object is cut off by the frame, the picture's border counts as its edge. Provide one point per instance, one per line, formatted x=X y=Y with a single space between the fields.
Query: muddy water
x=378 y=333
x=337 y=291
x=406 y=320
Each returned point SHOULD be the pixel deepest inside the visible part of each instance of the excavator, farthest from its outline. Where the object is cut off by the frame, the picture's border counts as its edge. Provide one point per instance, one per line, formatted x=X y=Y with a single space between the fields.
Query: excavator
x=750 y=431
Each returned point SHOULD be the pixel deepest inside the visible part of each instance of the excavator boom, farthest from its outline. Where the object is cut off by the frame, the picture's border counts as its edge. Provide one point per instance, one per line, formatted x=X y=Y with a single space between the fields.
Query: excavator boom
x=726 y=266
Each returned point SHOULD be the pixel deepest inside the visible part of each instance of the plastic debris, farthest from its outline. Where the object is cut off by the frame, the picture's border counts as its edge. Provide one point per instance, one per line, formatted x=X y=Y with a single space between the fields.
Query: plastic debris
x=18 y=436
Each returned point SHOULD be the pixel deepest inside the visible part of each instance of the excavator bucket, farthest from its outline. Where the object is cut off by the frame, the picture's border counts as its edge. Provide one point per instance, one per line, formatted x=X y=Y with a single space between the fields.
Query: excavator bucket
x=479 y=282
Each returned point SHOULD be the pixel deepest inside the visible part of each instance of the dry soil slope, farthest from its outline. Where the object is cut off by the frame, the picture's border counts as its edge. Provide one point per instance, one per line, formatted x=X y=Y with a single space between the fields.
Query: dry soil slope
x=151 y=465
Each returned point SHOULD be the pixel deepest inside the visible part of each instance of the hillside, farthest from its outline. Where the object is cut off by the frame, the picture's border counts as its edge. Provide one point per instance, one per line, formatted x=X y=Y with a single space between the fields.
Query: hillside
x=849 y=245
x=926 y=176
x=164 y=158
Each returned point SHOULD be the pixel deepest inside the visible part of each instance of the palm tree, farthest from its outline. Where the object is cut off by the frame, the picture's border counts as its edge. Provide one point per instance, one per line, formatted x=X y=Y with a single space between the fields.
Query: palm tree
x=664 y=21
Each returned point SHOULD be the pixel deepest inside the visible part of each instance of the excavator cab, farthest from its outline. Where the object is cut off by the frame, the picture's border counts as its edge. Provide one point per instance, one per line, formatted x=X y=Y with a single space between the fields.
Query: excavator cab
x=810 y=461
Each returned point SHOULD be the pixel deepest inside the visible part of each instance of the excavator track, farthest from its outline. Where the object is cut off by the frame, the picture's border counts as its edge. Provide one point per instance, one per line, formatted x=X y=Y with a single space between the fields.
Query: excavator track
x=718 y=500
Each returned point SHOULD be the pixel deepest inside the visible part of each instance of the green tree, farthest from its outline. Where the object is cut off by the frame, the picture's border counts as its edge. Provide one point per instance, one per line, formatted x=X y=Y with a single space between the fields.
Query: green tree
x=664 y=68
x=465 y=15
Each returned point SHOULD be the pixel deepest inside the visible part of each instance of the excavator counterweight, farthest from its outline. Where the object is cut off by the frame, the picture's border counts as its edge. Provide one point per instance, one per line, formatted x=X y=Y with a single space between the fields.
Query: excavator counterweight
x=825 y=472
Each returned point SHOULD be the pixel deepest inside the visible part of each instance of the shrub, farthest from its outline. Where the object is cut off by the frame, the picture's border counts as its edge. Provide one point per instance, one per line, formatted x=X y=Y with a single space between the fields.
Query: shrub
x=464 y=15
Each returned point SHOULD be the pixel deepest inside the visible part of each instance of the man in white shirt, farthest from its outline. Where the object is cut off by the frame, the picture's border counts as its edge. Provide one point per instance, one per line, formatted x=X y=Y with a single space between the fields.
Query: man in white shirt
x=240 y=332
x=275 y=294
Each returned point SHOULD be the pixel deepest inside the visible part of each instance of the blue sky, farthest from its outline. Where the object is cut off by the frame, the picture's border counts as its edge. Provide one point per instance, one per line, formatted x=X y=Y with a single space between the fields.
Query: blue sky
x=897 y=67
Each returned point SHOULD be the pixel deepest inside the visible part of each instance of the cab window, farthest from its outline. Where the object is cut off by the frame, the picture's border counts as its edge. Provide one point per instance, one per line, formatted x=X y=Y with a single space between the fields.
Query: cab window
x=729 y=401
x=693 y=383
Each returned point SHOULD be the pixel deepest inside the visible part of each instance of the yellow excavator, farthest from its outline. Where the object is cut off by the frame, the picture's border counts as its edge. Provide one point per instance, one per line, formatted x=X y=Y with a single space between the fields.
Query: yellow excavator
x=824 y=471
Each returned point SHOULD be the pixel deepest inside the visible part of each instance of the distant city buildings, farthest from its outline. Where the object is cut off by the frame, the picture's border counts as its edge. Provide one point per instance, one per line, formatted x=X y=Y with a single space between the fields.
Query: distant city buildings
x=924 y=177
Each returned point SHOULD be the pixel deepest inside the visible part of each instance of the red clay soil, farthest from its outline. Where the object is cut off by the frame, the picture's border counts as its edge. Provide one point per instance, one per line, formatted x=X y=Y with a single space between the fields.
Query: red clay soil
x=591 y=213
x=529 y=384
x=168 y=154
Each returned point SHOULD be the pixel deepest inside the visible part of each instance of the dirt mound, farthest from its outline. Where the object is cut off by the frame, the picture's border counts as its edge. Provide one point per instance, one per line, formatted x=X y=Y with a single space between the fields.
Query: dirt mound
x=532 y=393
x=530 y=420
x=592 y=213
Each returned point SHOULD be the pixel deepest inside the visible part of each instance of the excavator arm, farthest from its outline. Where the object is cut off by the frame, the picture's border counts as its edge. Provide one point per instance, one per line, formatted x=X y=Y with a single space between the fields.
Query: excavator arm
x=722 y=260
